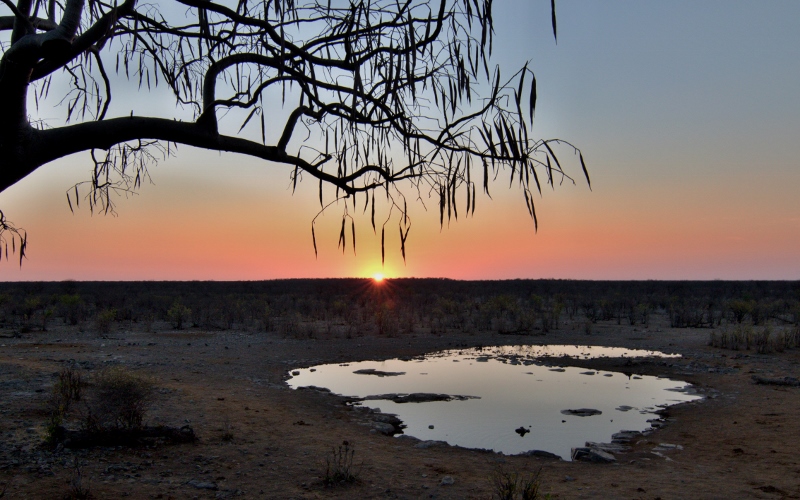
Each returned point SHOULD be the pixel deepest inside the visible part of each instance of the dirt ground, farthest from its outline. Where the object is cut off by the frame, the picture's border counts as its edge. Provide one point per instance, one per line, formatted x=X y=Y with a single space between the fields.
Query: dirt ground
x=740 y=442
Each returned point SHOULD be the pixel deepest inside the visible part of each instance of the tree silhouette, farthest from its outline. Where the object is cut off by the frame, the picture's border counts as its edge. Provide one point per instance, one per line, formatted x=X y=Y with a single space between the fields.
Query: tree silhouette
x=396 y=96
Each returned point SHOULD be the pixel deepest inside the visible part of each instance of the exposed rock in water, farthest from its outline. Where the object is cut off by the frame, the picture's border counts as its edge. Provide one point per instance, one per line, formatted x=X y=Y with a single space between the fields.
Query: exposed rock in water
x=378 y=373
x=625 y=436
x=608 y=447
x=587 y=454
x=582 y=412
x=522 y=431
x=419 y=397
x=385 y=429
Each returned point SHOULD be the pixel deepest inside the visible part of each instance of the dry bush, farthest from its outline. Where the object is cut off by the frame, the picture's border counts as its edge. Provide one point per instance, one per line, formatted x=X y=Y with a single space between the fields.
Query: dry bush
x=66 y=391
x=516 y=486
x=340 y=467
x=105 y=319
x=118 y=400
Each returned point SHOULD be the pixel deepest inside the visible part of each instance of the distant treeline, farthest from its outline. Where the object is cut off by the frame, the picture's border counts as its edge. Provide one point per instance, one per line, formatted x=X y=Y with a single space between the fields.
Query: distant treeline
x=309 y=307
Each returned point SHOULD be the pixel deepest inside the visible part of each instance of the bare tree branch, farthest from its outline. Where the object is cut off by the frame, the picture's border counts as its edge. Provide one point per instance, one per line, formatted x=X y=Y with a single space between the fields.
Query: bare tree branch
x=385 y=92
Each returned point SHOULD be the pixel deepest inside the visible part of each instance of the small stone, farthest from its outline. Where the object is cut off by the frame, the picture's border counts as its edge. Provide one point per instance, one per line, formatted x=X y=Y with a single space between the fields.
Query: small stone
x=202 y=485
x=447 y=481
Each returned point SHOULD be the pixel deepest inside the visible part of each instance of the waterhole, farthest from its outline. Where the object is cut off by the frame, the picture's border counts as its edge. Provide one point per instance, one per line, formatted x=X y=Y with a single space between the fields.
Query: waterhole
x=506 y=399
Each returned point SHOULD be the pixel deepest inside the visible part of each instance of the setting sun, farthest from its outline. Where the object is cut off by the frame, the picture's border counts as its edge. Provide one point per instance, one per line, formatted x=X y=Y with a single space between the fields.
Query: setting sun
x=377 y=277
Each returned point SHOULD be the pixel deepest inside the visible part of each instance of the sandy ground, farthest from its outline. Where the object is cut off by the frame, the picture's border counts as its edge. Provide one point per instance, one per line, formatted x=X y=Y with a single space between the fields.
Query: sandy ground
x=740 y=443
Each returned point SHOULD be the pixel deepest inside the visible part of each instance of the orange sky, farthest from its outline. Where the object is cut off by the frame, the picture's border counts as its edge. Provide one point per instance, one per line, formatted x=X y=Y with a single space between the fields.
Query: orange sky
x=693 y=163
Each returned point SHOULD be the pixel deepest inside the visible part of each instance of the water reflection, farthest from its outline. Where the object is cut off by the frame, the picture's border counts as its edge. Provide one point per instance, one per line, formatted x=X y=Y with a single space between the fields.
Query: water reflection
x=505 y=389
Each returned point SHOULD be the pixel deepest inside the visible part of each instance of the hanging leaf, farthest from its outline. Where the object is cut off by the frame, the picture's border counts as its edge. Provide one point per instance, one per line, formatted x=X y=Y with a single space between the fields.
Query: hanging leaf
x=402 y=244
x=533 y=96
x=585 y=171
x=553 y=18
x=383 y=246
x=314 y=240
x=341 y=236
x=373 y=213
x=554 y=156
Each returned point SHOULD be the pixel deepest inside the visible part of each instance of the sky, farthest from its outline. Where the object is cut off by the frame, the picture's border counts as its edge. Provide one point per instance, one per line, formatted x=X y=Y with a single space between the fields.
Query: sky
x=687 y=113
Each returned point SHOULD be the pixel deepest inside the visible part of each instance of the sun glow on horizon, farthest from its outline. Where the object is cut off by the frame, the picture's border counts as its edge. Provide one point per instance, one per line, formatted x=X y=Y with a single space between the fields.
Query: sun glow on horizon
x=378 y=277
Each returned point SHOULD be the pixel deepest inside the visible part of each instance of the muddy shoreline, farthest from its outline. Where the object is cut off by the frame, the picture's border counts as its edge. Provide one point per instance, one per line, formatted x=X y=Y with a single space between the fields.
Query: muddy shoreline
x=259 y=439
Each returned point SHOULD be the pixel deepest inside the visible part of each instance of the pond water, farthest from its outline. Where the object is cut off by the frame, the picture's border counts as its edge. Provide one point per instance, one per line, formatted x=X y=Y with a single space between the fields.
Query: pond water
x=504 y=389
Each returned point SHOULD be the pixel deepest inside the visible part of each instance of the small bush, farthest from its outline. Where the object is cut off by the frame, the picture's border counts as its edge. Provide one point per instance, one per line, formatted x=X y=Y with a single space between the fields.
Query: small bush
x=516 y=486
x=105 y=319
x=178 y=314
x=77 y=489
x=67 y=390
x=118 y=400
x=340 y=468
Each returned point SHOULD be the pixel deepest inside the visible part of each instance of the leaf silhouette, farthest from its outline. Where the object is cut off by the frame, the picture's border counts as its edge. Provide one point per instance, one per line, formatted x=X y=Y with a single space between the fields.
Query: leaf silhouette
x=585 y=171
x=314 y=240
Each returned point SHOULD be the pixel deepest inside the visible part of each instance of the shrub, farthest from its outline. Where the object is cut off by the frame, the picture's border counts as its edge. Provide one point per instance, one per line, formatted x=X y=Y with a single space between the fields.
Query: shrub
x=118 y=400
x=105 y=319
x=67 y=390
x=178 y=314
x=77 y=489
x=515 y=485
x=340 y=468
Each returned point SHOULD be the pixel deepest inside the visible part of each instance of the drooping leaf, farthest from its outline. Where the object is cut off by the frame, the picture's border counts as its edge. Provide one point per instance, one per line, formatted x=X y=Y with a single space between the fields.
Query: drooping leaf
x=553 y=18
x=585 y=171
x=341 y=236
x=314 y=240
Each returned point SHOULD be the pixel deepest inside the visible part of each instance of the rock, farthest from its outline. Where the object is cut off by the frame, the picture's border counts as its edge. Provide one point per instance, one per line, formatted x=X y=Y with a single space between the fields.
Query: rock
x=557 y=370
x=521 y=431
x=588 y=373
x=582 y=412
x=789 y=381
x=384 y=428
x=447 y=481
x=424 y=445
x=419 y=397
x=296 y=373
x=625 y=436
x=378 y=373
x=592 y=455
x=387 y=418
x=624 y=408
x=541 y=454
x=202 y=485
x=608 y=447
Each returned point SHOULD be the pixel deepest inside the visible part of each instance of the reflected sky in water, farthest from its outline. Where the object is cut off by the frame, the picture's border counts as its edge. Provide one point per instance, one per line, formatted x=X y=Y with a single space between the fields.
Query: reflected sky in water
x=515 y=390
